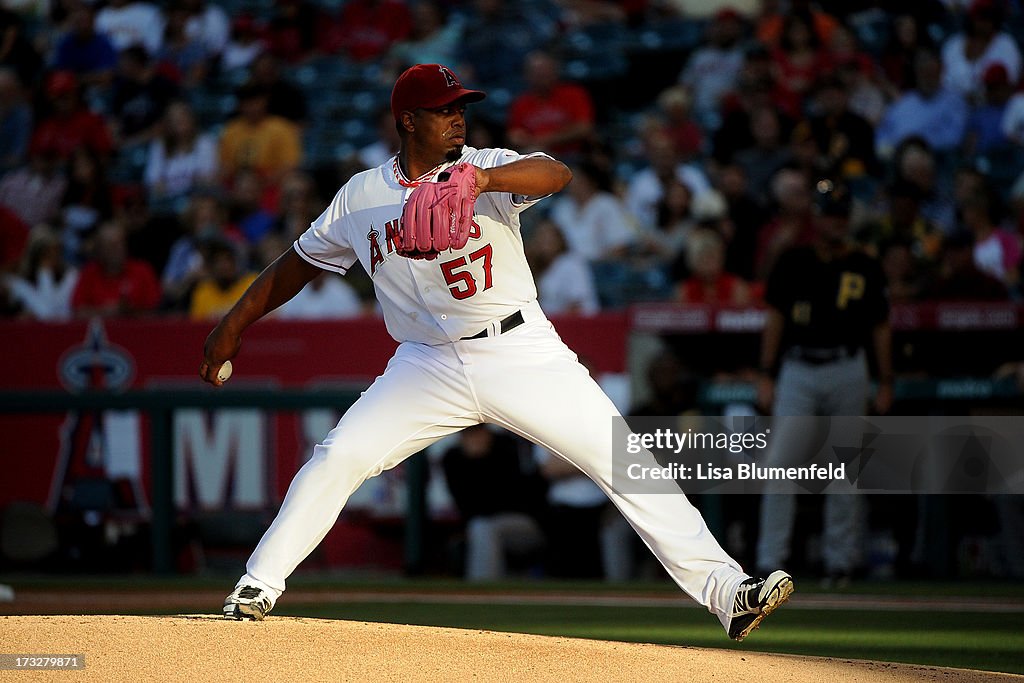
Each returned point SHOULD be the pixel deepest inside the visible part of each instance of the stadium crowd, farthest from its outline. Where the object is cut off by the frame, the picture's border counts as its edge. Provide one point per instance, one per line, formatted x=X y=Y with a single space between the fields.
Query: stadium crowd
x=154 y=156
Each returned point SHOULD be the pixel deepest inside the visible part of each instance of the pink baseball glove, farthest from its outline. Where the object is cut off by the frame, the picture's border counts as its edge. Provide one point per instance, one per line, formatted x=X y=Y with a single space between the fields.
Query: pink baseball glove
x=438 y=216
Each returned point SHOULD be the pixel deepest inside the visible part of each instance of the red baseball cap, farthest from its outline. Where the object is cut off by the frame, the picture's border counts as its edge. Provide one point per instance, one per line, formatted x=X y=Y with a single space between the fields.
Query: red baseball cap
x=428 y=86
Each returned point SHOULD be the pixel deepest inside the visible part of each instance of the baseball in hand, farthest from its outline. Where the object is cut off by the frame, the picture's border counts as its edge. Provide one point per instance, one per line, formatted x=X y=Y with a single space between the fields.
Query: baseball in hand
x=225 y=371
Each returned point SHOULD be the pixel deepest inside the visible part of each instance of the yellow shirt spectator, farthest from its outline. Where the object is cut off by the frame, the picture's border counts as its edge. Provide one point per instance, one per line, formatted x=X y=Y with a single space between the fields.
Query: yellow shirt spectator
x=209 y=301
x=271 y=145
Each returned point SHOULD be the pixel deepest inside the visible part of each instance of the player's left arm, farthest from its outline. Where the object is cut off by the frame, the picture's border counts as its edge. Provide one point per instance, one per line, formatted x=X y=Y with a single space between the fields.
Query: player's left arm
x=534 y=176
x=881 y=338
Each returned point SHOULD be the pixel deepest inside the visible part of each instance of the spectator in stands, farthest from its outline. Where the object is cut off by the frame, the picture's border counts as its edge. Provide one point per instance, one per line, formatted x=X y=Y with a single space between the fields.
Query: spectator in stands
x=387 y=142
x=497 y=498
x=929 y=111
x=771 y=26
x=248 y=214
x=959 y=279
x=564 y=281
x=83 y=51
x=244 y=45
x=16 y=50
x=182 y=58
x=485 y=60
x=712 y=69
x=903 y=224
x=745 y=217
x=647 y=186
x=141 y=95
x=88 y=201
x=662 y=244
x=709 y=282
x=284 y=98
x=291 y=31
x=761 y=161
x=903 y=275
x=181 y=158
x=69 y=124
x=551 y=115
x=43 y=287
x=208 y=24
x=15 y=121
x=792 y=223
x=131 y=23
x=587 y=536
x=671 y=388
x=915 y=163
x=756 y=88
x=203 y=221
x=224 y=283
x=13 y=240
x=845 y=141
x=299 y=205
x=997 y=252
x=592 y=219
x=368 y=28
x=112 y=283
x=862 y=82
x=985 y=133
x=906 y=39
x=966 y=55
x=800 y=56
x=684 y=133
x=257 y=140
x=434 y=38
x=326 y=297
x=34 y=191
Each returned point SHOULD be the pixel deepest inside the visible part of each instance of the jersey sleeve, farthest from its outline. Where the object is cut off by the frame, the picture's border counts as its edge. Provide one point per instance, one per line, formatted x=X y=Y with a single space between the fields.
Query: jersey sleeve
x=325 y=243
x=506 y=202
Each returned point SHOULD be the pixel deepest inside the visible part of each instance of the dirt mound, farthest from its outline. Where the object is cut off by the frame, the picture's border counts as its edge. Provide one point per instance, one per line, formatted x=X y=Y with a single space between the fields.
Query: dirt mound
x=204 y=648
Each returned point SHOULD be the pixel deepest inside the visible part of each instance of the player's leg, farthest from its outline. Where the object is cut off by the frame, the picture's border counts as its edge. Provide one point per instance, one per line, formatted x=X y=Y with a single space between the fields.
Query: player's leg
x=530 y=383
x=490 y=538
x=420 y=398
x=795 y=395
x=844 y=509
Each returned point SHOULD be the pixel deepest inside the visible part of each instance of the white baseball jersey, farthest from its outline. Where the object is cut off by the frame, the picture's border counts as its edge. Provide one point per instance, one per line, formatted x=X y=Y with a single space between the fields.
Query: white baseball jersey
x=443 y=300
x=526 y=380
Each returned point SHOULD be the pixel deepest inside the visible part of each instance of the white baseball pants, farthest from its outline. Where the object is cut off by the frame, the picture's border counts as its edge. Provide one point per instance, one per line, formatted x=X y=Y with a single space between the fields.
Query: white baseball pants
x=527 y=381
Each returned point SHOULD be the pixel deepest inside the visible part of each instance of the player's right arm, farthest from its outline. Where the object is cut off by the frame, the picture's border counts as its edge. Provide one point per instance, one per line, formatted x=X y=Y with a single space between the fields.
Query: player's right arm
x=279 y=282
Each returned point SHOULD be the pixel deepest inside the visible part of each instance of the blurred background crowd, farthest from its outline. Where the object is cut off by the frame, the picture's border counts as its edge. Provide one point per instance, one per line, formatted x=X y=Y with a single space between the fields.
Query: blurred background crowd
x=155 y=155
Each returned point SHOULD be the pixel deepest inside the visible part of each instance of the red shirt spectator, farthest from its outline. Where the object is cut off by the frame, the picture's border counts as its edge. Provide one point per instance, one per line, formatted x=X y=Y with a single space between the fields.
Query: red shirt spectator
x=367 y=28
x=113 y=284
x=551 y=116
x=71 y=125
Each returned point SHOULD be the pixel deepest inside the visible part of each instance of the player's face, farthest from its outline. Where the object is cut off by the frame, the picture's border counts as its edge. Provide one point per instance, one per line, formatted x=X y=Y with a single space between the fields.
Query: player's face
x=443 y=129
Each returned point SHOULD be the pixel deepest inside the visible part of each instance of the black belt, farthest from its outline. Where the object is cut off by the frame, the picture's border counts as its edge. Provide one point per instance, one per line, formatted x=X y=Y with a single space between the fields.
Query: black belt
x=509 y=323
x=821 y=356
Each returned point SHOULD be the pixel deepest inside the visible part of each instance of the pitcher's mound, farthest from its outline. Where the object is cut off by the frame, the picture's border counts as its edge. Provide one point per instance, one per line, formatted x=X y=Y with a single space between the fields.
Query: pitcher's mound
x=204 y=648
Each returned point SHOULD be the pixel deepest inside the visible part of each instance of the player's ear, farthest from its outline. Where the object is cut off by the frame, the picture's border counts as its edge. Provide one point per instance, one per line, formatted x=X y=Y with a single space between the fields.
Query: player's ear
x=408 y=121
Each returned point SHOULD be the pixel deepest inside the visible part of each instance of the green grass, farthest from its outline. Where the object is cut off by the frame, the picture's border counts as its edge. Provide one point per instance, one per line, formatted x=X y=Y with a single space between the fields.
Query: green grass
x=965 y=640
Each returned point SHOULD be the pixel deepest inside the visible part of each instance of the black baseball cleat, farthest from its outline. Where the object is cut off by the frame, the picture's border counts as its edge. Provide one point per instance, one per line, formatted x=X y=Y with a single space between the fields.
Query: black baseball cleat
x=247 y=602
x=756 y=599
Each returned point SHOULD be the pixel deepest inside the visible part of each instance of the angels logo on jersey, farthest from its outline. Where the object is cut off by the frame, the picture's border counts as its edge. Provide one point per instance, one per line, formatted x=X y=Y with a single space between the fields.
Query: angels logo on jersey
x=379 y=253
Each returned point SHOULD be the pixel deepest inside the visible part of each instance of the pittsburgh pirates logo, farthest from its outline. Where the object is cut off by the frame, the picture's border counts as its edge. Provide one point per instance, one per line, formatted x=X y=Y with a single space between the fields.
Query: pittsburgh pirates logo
x=449 y=77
